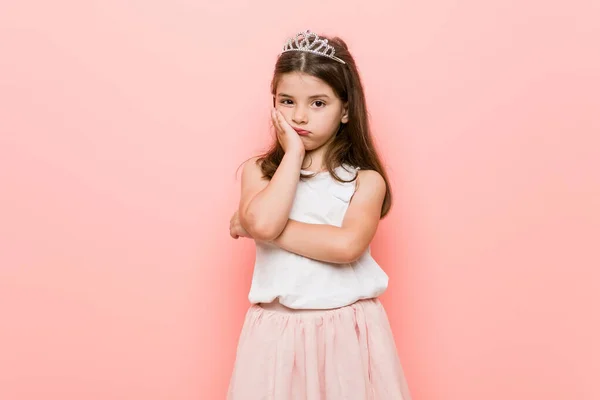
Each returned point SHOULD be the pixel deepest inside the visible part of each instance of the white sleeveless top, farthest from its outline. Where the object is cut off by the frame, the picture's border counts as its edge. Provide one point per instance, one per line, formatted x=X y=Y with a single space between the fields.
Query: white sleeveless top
x=300 y=282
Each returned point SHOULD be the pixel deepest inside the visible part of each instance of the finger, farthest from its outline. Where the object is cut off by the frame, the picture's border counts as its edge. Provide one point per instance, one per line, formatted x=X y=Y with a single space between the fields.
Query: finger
x=282 y=121
x=276 y=123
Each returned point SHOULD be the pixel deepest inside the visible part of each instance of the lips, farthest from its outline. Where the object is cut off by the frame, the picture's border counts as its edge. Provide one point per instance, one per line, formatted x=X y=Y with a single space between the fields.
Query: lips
x=301 y=131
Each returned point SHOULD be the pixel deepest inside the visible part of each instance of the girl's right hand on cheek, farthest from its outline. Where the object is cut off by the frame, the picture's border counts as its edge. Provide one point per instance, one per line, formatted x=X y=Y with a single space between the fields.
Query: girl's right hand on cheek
x=286 y=135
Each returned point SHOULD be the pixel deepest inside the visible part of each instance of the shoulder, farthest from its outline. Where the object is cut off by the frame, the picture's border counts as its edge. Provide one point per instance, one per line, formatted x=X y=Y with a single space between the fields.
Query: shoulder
x=252 y=163
x=252 y=167
x=253 y=179
x=370 y=180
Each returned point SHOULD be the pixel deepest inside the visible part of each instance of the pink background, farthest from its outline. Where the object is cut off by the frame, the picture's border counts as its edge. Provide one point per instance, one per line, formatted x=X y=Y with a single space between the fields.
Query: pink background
x=121 y=128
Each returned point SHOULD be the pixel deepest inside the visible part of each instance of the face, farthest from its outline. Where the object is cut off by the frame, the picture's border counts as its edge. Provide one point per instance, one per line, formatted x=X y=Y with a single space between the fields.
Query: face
x=310 y=104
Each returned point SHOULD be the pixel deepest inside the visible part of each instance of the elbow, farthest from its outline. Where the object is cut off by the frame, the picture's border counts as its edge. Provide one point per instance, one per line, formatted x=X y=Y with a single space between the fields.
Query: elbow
x=259 y=226
x=348 y=257
x=350 y=252
x=263 y=231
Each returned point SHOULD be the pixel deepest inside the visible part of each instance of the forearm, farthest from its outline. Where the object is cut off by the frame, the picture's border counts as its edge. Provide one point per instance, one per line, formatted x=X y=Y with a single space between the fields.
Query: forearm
x=321 y=242
x=269 y=210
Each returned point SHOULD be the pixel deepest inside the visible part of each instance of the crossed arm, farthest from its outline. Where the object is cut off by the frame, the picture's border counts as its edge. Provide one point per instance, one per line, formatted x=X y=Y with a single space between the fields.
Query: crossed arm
x=340 y=244
x=327 y=242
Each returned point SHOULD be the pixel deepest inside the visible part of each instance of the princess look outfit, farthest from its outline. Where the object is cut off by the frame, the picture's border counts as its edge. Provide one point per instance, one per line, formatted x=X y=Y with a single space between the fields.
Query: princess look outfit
x=316 y=330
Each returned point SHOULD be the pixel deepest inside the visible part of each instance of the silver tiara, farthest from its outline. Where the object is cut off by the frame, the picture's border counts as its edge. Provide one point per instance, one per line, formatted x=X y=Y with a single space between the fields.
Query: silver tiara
x=302 y=42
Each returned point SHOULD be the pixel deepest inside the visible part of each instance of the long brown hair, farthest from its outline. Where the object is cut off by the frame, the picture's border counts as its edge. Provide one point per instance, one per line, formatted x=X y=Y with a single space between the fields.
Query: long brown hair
x=353 y=143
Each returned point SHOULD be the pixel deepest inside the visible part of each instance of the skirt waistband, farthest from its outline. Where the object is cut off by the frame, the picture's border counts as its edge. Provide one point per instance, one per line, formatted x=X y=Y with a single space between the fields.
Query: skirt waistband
x=275 y=305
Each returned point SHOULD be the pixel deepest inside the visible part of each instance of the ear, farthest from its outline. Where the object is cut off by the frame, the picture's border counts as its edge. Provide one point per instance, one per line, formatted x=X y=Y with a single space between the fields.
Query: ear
x=345 y=114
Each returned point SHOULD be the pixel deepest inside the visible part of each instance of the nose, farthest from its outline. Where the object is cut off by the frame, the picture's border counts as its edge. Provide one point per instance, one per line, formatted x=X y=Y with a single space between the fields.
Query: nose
x=299 y=115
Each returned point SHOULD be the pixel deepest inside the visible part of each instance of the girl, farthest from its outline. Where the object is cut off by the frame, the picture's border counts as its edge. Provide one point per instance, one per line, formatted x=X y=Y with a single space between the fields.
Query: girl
x=316 y=328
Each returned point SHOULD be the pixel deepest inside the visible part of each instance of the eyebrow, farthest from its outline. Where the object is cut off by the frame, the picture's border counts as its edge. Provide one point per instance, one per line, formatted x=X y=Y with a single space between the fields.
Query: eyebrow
x=311 y=97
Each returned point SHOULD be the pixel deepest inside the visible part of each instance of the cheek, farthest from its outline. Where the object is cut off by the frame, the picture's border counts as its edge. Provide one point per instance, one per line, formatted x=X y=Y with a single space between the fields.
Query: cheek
x=331 y=124
x=287 y=115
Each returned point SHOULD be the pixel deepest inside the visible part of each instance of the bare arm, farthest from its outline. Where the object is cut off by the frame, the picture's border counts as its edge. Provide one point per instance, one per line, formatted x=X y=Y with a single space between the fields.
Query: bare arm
x=265 y=205
x=342 y=244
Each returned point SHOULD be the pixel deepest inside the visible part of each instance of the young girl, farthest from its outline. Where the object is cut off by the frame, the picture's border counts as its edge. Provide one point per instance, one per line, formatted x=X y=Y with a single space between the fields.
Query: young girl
x=316 y=329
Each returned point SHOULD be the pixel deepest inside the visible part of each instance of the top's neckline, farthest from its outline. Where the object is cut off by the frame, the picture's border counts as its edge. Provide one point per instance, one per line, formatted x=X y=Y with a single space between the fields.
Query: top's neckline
x=306 y=171
x=313 y=172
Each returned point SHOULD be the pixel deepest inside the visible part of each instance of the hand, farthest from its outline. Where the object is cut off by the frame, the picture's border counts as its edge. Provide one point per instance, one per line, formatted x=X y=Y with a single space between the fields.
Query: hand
x=236 y=229
x=286 y=135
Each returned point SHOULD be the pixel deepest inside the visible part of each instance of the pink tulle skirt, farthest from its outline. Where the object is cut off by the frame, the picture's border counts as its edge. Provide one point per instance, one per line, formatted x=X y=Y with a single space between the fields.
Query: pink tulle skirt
x=343 y=353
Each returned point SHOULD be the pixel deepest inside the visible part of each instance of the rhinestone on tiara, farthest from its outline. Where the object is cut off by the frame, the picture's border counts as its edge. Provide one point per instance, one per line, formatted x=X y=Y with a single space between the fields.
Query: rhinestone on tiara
x=302 y=42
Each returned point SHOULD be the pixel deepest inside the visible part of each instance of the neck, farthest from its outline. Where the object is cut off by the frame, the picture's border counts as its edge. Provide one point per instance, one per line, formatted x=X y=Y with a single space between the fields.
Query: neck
x=313 y=159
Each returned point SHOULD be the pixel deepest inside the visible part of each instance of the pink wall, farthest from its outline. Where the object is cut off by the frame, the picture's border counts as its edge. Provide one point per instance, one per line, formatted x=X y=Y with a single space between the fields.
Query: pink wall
x=121 y=128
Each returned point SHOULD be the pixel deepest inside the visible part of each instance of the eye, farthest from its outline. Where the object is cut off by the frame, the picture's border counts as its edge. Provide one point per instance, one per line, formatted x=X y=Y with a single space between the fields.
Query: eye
x=317 y=101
